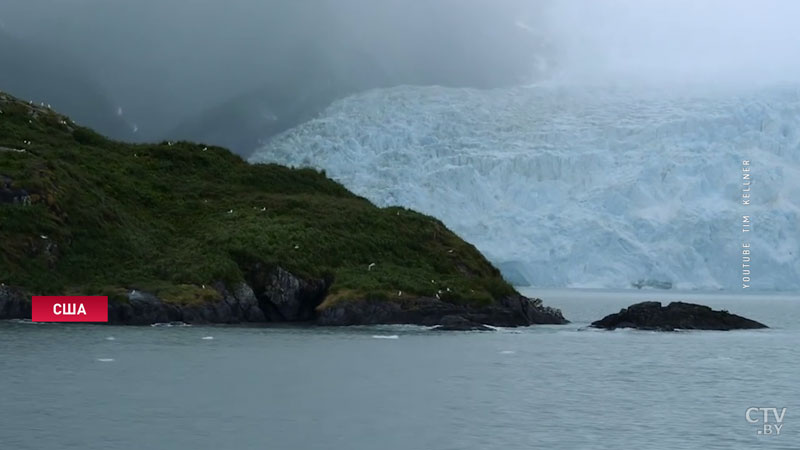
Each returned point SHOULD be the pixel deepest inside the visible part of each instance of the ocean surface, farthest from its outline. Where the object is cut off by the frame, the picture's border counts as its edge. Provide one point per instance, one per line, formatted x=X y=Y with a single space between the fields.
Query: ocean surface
x=403 y=387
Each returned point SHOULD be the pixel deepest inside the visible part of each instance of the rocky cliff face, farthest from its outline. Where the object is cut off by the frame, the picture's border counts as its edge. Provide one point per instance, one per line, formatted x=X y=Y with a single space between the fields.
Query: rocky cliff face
x=269 y=296
x=279 y=296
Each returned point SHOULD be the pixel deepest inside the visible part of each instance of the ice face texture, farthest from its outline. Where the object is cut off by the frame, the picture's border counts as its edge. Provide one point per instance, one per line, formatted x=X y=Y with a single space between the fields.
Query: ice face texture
x=580 y=187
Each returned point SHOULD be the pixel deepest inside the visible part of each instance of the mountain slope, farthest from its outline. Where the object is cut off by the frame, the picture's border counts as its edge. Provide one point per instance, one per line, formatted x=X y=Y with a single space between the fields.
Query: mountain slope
x=190 y=225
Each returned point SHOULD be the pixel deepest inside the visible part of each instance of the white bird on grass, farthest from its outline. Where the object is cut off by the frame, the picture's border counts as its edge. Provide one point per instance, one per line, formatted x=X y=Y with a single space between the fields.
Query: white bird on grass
x=371 y=265
x=230 y=211
x=399 y=293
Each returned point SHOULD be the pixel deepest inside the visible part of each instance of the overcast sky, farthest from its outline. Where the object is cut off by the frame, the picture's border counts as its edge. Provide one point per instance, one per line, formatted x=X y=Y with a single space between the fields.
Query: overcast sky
x=170 y=59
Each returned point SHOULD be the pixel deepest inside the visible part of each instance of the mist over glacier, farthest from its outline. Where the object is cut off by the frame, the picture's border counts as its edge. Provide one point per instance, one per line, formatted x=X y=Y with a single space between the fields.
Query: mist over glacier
x=579 y=187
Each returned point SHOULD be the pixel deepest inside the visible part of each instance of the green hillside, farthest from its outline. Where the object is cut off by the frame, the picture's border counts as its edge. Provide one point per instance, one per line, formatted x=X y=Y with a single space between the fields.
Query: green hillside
x=83 y=214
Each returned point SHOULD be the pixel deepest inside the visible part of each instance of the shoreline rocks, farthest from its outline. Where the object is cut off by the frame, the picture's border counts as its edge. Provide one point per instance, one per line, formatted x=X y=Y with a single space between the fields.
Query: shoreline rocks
x=277 y=296
x=677 y=315
x=513 y=311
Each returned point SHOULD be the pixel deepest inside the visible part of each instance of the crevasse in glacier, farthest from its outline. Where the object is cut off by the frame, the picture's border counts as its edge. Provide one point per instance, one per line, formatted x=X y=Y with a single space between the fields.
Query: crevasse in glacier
x=579 y=187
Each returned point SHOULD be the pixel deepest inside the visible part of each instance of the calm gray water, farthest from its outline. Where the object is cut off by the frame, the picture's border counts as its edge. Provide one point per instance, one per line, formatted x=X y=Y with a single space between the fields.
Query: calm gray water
x=557 y=387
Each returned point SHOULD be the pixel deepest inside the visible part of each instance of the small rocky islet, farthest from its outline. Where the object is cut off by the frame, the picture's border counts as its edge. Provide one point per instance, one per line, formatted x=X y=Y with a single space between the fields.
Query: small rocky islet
x=675 y=316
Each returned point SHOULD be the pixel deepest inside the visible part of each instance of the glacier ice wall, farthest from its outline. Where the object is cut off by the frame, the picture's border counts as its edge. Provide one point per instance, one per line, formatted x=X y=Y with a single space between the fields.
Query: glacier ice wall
x=579 y=187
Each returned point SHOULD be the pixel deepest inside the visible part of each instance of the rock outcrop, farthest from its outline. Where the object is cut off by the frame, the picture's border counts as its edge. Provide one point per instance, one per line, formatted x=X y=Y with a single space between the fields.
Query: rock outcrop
x=676 y=315
x=270 y=296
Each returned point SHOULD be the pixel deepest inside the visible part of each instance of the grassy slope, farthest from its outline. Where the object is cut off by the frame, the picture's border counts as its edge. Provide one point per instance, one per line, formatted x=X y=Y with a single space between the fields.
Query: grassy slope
x=155 y=217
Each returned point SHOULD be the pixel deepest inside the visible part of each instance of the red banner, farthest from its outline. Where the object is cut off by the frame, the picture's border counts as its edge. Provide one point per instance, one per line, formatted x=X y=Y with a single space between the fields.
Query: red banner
x=70 y=309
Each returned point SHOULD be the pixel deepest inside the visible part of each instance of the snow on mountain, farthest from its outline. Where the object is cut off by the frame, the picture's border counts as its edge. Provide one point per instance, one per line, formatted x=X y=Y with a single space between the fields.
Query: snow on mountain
x=580 y=187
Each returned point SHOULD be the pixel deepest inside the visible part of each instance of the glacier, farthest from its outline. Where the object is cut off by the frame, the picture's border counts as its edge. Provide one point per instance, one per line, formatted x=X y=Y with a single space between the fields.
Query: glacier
x=580 y=186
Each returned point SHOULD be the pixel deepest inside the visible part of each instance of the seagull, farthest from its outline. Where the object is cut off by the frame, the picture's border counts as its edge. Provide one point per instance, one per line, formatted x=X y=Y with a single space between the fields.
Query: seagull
x=205 y=148
x=399 y=293
x=450 y=251
x=133 y=291
x=43 y=236
x=371 y=265
x=264 y=208
x=437 y=297
x=230 y=211
x=135 y=155
x=433 y=281
x=204 y=286
x=296 y=246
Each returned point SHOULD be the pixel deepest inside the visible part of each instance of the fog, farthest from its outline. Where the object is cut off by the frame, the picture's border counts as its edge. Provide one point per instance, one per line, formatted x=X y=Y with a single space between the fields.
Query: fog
x=676 y=41
x=199 y=68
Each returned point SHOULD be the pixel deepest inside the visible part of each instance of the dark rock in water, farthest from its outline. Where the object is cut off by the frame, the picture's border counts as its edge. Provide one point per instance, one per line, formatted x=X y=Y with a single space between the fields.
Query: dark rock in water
x=459 y=323
x=676 y=315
